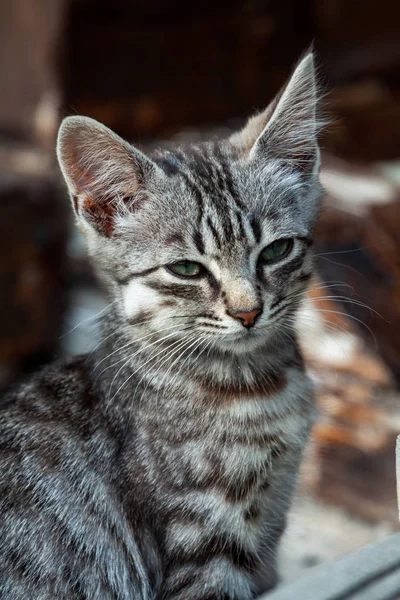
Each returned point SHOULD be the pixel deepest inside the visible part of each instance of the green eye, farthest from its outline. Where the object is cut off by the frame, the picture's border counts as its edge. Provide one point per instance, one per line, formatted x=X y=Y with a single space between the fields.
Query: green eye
x=185 y=268
x=276 y=251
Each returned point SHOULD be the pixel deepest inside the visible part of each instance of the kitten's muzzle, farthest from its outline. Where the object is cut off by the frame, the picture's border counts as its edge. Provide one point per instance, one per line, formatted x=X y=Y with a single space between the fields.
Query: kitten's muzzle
x=248 y=318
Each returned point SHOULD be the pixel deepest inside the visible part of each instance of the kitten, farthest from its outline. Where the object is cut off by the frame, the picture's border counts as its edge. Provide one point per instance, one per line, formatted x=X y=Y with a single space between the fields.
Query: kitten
x=163 y=465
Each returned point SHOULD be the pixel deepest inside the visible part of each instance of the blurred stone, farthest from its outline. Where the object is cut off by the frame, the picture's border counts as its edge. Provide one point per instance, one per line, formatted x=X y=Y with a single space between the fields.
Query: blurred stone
x=348 y=329
x=357 y=244
x=351 y=461
x=365 y=121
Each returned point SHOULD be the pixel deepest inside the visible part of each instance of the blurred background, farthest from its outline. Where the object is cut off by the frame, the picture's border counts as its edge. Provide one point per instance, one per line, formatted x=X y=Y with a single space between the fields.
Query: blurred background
x=154 y=70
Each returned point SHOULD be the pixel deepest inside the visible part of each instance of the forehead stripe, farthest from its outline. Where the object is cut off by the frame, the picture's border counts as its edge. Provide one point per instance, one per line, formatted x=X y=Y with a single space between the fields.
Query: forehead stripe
x=193 y=187
x=198 y=241
x=208 y=178
x=214 y=233
x=239 y=219
x=256 y=228
x=227 y=176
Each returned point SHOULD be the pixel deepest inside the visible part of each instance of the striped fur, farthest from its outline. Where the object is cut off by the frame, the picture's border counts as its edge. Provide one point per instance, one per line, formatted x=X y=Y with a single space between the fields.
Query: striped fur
x=162 y=466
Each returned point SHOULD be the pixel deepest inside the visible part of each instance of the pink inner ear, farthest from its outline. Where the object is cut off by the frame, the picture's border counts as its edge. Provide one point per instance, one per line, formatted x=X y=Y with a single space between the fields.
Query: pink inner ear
x=82 y=180
x=99 y=214
x=138 y=203
x=134 y=203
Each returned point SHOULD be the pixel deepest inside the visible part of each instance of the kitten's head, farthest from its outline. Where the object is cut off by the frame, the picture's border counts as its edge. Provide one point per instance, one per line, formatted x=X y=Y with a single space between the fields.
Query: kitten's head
x=209 y=243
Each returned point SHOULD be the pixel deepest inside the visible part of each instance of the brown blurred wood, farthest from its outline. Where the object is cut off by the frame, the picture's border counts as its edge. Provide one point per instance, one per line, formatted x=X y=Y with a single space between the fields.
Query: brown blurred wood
x=353 y=361
x=151 y=68
x=359 y=51
x=33 y=231
x=365 y=121
x=351 y=462
x=355 y=42
x=29 y=38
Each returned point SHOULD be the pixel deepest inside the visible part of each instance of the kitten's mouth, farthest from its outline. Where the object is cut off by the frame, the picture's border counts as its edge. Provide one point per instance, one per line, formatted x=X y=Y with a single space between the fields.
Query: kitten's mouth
x=243 y=341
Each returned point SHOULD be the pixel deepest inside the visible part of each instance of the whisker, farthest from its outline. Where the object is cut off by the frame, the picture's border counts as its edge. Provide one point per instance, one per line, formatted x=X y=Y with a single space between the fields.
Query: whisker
x=196 y=341
x=163 y=359
x=121 y=329
x=131 y=343
x=117 y=331
x=334 y=327
x=187 y=347
x=134 y=372
x=318 y=337
x=345 y=299
x=338 y=264
x=145 y=348
x=336 y=312
x=346 y=251
x=91 y=318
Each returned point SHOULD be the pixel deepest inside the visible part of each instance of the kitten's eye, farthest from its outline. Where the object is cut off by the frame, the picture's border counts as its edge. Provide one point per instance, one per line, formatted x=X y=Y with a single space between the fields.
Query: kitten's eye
x=186 y=268
x=276 y=251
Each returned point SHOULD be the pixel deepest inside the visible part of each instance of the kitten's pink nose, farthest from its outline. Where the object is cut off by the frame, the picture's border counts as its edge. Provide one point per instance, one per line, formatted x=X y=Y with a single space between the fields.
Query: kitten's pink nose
x=248 y=318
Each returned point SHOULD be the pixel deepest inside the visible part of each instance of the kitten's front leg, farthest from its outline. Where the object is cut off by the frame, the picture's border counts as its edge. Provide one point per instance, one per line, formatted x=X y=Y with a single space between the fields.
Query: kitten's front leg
x=219 y=579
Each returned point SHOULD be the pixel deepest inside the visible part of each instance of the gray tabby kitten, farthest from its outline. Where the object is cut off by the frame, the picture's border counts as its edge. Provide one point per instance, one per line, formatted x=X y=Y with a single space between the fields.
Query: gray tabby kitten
x=163 y=465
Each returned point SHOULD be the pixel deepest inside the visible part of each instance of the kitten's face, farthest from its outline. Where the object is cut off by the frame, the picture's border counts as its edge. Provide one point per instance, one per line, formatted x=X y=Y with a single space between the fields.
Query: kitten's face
x=209 y=245
x=218 y=263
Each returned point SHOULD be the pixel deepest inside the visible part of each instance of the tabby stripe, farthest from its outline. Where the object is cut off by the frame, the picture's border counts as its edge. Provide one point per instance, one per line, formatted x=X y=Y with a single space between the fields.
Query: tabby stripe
x=168 y=164
x=262 y=440
x=234 y=490
x=175 y=239
x=290 y=266
x=239 y=219
x=273 y=214
x=217 y=547
x=279 y=300
x=226 y=222
x=256 y=228
x=182 y=583
x=127 y=278
x=241 y=489
x=194 y=188
x=228 y=178
x=205 y=172
x=305 y=239
x=278 y=310
x=272 y=383
x=304 y=277
x=188 y=292
x=216 y=596
x=214 y=233
x=253 y=513
x=221 y=183
x=198 y=241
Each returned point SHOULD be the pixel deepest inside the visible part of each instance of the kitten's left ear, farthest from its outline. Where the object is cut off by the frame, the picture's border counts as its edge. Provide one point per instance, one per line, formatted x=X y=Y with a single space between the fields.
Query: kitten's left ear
x=288 y=128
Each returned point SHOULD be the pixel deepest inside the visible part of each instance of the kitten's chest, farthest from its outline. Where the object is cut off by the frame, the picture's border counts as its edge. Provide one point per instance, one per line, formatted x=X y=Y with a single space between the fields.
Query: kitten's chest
x=232 y=451
x=245 y=449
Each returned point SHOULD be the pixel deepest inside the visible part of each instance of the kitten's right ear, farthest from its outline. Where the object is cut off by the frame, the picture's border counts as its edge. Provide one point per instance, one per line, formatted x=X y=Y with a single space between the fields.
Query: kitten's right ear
x=104 y=174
